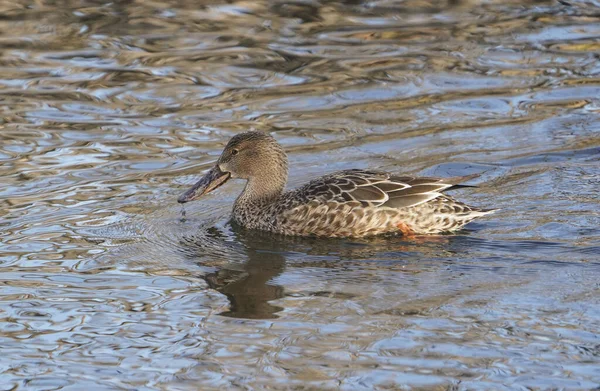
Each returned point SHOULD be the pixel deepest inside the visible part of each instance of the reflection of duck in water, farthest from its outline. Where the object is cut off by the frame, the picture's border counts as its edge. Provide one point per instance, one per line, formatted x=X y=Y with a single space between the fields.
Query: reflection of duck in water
x=351 y=203
x=250 y=291
x=245 y=269
x=246 y=265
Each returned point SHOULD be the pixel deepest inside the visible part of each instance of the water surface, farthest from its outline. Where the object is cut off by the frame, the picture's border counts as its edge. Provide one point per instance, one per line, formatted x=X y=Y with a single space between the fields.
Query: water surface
x=111 y=110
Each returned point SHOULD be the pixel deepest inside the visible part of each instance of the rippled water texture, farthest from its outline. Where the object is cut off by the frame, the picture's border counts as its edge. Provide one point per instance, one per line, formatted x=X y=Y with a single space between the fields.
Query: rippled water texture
x=111 y=110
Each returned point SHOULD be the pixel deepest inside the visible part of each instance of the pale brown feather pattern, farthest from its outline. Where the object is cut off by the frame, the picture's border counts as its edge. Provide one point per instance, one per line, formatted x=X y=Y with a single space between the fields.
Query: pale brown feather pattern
x=363 y=203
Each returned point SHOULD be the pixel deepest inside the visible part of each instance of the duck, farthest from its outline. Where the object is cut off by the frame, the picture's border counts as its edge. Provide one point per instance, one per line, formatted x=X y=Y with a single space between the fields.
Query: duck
x=349 y=203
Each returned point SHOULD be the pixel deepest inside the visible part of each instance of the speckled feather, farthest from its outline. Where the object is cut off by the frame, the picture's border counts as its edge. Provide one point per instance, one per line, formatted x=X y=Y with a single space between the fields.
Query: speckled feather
x=356 y=203
x=351 y=203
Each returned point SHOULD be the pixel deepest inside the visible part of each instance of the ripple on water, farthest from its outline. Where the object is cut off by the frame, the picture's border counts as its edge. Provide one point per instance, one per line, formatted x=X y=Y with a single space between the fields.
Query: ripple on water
x=110 y=111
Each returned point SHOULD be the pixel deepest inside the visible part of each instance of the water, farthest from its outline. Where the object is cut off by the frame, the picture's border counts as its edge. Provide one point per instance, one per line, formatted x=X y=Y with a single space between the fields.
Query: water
x=111 y=110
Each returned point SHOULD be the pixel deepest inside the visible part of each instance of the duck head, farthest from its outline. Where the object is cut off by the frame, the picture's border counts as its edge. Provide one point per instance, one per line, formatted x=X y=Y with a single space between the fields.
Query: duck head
x=254 y=156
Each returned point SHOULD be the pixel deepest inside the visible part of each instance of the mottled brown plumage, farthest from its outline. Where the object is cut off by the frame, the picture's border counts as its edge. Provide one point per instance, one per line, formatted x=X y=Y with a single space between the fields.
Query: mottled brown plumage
x=350 y=203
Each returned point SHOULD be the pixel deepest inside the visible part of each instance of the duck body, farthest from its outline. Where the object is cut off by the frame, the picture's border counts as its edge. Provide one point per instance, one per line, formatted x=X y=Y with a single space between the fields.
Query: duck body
x=350 y=203
x=358 y=203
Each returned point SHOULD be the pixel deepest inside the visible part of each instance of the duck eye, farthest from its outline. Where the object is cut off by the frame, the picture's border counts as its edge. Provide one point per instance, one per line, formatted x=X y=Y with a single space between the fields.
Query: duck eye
x=234 y=152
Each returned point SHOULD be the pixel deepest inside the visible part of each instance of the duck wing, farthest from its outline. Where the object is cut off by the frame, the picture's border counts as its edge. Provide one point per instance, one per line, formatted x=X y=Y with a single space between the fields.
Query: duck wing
x=377 y=188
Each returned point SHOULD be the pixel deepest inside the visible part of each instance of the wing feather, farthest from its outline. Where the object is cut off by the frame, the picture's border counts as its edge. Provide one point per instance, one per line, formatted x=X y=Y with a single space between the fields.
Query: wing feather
x=369 y=194
x=392 y=186
x=421 y=189
x=374 y=188
x=410 y=200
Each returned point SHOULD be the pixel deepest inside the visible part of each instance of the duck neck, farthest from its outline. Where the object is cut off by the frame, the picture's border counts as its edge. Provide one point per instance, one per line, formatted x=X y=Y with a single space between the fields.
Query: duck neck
x=262 y=190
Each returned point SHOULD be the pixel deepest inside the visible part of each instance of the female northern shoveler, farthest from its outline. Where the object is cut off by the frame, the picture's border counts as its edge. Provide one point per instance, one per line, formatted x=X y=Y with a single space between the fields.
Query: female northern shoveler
x=351 y=203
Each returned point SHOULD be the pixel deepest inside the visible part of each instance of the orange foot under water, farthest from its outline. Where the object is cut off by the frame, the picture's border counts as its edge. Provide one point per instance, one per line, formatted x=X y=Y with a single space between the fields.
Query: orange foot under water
x=405 y=229
x=409 y=234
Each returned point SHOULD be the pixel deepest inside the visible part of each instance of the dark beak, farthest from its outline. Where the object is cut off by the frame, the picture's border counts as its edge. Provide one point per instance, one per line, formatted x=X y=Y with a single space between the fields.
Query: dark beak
x=213 y=179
